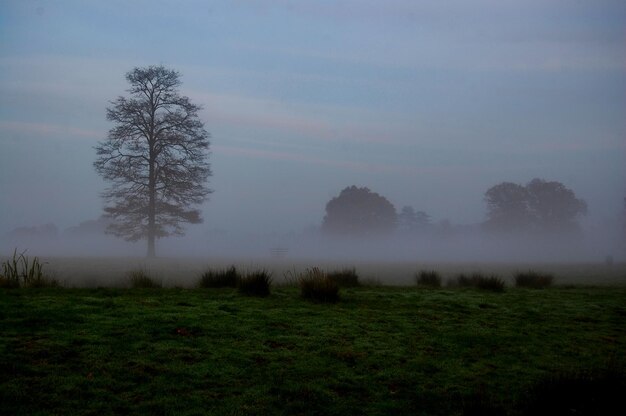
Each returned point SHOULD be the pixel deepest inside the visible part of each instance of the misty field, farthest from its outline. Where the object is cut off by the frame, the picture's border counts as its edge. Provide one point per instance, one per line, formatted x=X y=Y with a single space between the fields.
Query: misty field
x=184 y=272
x=379 y=350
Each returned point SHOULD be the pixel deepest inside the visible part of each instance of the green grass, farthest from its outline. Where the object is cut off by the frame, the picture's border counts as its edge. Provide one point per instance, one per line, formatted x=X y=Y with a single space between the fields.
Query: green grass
x=378 y=351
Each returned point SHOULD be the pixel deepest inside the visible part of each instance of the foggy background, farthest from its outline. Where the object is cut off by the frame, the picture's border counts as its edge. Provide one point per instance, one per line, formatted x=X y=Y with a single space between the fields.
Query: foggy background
x=426 y=103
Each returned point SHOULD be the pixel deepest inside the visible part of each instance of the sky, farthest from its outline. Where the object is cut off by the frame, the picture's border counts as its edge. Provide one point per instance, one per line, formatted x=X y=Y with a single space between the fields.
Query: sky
x=428 y=103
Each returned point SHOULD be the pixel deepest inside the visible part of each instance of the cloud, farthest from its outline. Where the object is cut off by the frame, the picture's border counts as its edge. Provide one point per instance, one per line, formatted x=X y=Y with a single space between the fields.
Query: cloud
x=369 y=167
x=45 y=129
x=481 y=35
x=330 y=123
x=579 y=146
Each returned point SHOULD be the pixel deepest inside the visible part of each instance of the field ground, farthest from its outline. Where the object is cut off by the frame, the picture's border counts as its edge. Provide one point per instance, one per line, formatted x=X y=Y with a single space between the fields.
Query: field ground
x=379 y=351
x=184 y=272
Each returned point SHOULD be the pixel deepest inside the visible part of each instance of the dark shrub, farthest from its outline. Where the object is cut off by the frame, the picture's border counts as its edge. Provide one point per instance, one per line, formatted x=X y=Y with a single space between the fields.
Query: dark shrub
x=480 y=281
x=344 y=278
x=220 y=278
x=139 y=279
x=256 y=283
x=316 y=286
x=534 y=280
x=428 y=278
x=492 y=283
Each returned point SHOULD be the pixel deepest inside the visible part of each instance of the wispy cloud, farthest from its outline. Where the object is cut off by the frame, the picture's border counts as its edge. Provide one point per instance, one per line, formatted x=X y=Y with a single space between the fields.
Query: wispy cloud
x=579 y=145
x=370 y=167
x=482 y=35
x=45 y=130
x=306 y=121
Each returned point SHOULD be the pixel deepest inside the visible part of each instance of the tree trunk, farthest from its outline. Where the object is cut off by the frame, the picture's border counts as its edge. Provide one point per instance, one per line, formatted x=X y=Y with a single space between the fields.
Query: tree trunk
x=151 y=221
x=152 y=182
x=151 y=207
x=151 y=243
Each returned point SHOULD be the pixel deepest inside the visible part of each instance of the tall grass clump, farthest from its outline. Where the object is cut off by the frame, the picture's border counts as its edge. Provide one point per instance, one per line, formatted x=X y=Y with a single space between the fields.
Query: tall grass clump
x=140 y=279
x=491 y=283
x=19 y=271
x=428 y=278
x=315 y=285
x=534 y=280
x=344 y=278
x=221 y=278
x=256 y=283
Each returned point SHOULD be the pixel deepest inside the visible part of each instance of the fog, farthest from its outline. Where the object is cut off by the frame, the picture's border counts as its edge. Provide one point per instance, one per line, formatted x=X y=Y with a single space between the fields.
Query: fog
x=427 y=104
x=458 y=244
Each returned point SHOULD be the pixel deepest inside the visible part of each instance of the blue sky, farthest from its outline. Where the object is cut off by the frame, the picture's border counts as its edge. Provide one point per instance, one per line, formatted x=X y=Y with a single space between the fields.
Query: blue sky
x=428 y=103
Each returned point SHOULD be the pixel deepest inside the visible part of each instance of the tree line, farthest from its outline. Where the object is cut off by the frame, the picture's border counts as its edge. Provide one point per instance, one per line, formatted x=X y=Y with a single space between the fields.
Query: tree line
x=155 y=159
x=537 y=207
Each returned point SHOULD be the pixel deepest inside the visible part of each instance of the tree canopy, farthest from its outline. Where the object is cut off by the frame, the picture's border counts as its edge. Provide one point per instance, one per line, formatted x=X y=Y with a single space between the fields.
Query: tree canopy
x=359 y=212
x=539 y=206
x=155 y=158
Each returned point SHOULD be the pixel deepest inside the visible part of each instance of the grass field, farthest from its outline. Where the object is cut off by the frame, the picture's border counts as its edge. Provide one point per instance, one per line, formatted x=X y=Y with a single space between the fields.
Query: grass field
x=378 y=351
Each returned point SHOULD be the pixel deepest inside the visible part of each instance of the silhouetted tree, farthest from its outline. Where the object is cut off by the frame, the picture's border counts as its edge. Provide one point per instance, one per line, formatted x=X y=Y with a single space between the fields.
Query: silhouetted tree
x=359 y=212
x=410 y=220
x=45 y=231
x=553 y=206
x=507 y=207
x=90 y=227
x=155 y=158
x=538 y=206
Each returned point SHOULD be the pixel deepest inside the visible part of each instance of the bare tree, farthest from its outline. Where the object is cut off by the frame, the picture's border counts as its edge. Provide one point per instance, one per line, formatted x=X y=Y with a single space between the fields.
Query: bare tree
x=155 y=159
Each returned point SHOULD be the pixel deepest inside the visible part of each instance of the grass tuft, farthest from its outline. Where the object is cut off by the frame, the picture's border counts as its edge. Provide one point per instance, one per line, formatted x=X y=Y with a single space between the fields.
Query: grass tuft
x=491 y=283
x=256 y=283
x=221 y=278
x=315 y=285
x=428 y=278
x=344 y=278
x=140 y=279
x=19 y=271
x=534 y=280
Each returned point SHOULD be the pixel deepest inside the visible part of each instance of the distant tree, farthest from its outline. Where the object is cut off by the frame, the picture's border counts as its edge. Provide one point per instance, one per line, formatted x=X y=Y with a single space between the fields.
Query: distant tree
x=410 y=220
x=359 y=212
x=507 y=207
x=538 y=206
x=553 y=206
x=45 y=231
x=155 y=158
x=90 y=227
